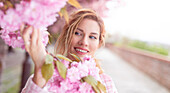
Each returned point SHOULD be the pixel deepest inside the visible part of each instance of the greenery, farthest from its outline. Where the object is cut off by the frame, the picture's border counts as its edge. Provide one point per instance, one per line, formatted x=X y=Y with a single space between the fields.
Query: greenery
x=153 y=48
x=14 y=89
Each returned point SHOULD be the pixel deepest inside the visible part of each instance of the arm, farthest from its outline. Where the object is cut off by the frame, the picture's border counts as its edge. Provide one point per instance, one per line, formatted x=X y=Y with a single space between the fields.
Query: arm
x=31 y=87
x=36 y=49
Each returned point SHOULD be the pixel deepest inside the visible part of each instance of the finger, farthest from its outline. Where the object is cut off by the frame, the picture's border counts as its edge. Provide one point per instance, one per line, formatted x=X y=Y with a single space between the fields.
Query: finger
x=22 y=28
x=39 y=37
x=26 y=37
x=34 y=37
x=40 y=42
x=26 y=33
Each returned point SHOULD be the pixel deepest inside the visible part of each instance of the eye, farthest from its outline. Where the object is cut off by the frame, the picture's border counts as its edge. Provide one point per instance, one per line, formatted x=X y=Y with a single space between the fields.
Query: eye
x=92 y=37
x=77 y=33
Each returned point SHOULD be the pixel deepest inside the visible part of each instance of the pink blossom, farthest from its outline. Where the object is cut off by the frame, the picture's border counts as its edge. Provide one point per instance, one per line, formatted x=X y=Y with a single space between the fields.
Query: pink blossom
x=87 y=58
x=41 y=13
x=91 y=64
x=74 y=64
x=37 y=13
x=1 y=15
x=11 y=21
x=72 y=82
x=49 y=2
x=86 y=88
x=13 y=39
x=83 y=70
x=45 y=37
x=1 y=4
x=73 y=75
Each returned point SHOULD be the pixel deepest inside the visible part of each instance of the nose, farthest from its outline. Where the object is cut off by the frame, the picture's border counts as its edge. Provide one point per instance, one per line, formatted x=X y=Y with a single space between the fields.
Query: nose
x=83 y=41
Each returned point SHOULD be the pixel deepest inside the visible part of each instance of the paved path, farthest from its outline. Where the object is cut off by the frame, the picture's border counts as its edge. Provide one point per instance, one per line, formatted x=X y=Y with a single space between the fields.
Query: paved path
x=127 y=78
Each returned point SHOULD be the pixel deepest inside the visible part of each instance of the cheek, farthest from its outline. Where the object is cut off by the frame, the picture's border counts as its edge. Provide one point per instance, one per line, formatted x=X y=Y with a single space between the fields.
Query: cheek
x=94 y=46
x=74 y=41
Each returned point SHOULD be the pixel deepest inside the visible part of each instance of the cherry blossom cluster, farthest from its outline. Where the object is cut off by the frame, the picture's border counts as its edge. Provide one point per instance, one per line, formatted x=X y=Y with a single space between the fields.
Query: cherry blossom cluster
x=37 y=13
x=76 y=71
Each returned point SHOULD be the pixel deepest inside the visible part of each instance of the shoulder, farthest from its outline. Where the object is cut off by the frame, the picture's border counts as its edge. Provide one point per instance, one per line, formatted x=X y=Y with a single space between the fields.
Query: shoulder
x=108 y=82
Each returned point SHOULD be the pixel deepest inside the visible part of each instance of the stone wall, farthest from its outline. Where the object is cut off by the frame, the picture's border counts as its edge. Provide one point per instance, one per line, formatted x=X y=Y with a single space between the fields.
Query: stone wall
x=155 y=65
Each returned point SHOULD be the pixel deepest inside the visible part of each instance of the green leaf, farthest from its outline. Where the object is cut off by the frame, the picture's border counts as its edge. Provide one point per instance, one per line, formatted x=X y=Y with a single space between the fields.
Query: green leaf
x=63 y=12
x=92 y=81
x=63 y=57
x=74 y=3
x=61 y=69
x=96 y=89
x=47 y=71
x=9 y=4
x=76 y=57
x=96 y=85
x=101 y=86
x=48 y=59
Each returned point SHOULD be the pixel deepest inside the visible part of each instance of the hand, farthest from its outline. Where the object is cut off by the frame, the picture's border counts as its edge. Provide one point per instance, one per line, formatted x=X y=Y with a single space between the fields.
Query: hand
x=34 y=45
x=36 y=49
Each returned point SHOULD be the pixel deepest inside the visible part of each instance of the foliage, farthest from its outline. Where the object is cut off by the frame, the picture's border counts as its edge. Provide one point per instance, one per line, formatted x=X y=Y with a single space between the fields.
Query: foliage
x=14 y=89
x=152 y=48
x=97 y=86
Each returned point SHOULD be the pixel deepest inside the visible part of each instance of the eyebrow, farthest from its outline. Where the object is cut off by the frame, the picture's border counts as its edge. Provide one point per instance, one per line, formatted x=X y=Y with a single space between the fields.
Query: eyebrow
x=80 y=29
x=83 y=31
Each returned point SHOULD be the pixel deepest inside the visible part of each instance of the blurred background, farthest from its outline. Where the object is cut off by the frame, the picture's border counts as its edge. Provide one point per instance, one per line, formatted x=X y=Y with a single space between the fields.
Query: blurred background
x=136 y=54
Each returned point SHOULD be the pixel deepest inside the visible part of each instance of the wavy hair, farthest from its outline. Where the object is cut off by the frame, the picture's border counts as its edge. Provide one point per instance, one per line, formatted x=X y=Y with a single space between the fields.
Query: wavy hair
x=63 y=42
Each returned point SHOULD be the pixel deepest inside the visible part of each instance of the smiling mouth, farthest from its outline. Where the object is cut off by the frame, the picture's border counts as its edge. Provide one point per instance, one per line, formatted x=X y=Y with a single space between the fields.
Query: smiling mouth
x=81 y=51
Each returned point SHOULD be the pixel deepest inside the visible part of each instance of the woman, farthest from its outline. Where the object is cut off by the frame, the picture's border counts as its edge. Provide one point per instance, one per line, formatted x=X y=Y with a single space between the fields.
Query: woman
x=83 y=35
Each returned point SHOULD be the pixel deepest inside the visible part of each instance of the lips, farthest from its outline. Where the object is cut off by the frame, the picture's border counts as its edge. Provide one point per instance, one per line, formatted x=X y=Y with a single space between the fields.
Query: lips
x=81 y=51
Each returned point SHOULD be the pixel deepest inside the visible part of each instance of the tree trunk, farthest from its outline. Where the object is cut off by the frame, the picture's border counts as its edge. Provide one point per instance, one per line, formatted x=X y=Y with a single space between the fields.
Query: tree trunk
x=26 y=69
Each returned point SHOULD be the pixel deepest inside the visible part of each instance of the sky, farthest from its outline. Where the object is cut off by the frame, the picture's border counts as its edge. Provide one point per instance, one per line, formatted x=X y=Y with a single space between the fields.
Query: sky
x=146 y=20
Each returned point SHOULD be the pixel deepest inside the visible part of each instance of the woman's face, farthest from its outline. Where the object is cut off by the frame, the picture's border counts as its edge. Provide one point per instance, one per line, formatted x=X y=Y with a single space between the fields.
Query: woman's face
x=85 y=40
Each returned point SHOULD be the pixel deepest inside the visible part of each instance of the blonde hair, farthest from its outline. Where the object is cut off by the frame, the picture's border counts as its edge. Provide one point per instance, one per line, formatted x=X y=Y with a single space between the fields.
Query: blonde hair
x=63 y=42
